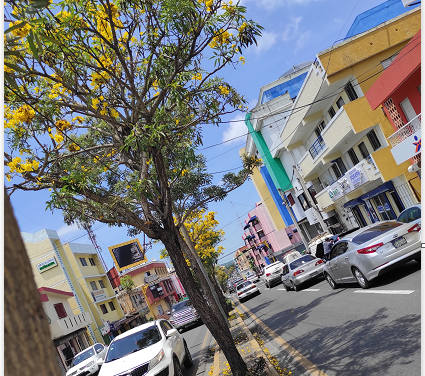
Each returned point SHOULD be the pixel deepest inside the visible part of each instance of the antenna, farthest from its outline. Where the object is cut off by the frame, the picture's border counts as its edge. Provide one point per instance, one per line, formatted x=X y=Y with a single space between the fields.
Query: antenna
x=92 y=237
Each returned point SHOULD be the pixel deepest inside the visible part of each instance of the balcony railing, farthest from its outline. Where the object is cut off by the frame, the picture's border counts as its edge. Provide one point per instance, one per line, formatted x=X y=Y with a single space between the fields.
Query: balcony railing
x=317 y=147
x=406 y=131
x=69 y=324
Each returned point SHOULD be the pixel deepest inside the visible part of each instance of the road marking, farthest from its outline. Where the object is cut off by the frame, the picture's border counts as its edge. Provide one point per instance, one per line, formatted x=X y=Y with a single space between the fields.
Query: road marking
x=301 y=359
x=311 y=290
x=282 y=289
x=395 y=292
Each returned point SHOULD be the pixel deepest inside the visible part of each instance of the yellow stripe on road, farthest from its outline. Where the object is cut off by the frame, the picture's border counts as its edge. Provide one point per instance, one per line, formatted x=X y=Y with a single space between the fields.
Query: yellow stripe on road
x=301 y=359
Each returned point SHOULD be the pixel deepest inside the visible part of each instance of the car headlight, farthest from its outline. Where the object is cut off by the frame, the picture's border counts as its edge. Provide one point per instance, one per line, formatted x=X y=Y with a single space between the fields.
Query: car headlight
x=156 y=359
x=88 y=365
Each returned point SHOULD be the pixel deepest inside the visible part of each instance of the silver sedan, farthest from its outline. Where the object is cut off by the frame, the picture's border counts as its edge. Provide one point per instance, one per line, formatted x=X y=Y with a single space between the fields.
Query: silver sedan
x=301 y=270
x=371 y=251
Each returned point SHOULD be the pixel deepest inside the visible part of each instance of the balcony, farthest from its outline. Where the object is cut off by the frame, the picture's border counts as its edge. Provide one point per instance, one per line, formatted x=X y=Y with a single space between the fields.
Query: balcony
x=318 y=146
x=406 y=131
x=67 y=325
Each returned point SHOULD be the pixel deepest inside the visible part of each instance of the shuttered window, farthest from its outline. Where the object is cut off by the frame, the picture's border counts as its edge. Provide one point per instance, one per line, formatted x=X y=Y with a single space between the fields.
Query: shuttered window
x=60 y=310
x=374 y=140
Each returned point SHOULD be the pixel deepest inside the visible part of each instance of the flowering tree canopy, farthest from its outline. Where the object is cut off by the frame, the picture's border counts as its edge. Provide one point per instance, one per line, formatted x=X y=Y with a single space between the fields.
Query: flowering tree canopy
x=104 y=106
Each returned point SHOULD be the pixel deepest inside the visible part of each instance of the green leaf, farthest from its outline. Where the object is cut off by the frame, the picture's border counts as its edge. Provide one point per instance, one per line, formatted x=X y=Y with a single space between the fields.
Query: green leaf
x=15 y=67
x=37 y=39
x=50 y=39
x=32 y=45
x=14 y=27
x=11 y=81
x=14 y=53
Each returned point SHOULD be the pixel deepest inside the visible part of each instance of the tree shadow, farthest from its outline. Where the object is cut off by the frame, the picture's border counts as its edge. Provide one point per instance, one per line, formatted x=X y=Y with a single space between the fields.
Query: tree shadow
x=397 y=274
x=368 y=346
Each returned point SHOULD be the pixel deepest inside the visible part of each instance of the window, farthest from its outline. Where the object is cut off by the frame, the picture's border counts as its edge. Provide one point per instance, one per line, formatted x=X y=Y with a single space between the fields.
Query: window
x=339 y=168
x=258 y=257
x=351 y=93
x=83 y=261
x=165 y=326
x=339 y=249
x=103 y=309
x=409 y=215
x=60 y=310
x=419 y=89
x=303 y=201
x=320 y=128
x=374 y=140
x=92 y=262
x=387 y=62
x=331 y=112
x=399 y=205
x=93 y=285
x=353 y=156
x=160 y=310
x=101 y=284
x=260 y=234
x=111 y=306
x=290 y=199
x=340 y=102
x=363 y=150
x=313 y=193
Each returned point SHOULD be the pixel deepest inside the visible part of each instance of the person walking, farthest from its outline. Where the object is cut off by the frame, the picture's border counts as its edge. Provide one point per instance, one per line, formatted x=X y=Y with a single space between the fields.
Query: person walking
x=327 y=245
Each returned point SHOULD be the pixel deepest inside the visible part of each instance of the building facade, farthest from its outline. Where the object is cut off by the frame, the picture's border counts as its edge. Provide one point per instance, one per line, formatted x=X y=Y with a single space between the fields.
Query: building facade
x=77 y=269
x=68 y=330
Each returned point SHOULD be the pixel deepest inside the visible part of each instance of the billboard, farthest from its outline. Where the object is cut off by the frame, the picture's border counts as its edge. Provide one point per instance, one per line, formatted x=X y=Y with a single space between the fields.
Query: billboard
x=127 y=254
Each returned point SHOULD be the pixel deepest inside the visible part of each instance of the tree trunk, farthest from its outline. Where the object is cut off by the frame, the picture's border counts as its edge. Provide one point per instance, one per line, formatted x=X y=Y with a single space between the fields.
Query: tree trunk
x=29 y=348
x=208 y=310
x=220 y=295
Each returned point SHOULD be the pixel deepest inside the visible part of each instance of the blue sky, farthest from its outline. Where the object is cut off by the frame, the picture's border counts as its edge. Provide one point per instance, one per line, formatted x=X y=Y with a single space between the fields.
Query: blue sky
x=295 y=30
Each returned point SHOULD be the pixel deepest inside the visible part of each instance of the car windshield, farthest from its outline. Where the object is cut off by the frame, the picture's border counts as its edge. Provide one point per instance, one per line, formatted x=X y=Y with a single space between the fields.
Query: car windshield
x=81 y=357
x=242 y=285
x=302 y=260
x=374 y=232
x=132 y=343
x=185 y=304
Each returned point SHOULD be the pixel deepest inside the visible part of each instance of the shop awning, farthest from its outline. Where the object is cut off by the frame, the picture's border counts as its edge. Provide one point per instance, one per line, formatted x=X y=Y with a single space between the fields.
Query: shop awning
x=354 y=202
x=252 y=219
x=377 y=191
x=246 y=226
x=60 y=340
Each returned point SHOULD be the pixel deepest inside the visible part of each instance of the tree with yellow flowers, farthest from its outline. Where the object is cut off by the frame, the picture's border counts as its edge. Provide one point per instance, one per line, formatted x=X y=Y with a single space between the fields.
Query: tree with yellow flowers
x=104 y=104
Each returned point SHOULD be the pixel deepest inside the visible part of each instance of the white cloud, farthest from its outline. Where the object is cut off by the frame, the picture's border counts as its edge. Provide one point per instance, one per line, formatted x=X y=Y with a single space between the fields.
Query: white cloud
x=266 y=41
x=236 y=129
x=291 y=30
x=302 y=40
x=67 y=230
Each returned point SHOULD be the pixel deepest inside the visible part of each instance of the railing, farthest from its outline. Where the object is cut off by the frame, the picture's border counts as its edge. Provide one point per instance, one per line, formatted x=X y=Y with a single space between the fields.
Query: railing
x=317 y=147
x=406 y=131
x=69 y=324
x=369 y=160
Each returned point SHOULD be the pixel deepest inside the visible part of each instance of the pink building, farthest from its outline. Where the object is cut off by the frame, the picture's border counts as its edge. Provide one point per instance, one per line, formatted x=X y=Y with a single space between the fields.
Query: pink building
x=263 y=242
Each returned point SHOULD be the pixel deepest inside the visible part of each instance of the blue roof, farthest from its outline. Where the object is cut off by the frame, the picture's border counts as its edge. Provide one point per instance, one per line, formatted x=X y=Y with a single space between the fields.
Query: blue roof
x=377 y=15
x=292 y=87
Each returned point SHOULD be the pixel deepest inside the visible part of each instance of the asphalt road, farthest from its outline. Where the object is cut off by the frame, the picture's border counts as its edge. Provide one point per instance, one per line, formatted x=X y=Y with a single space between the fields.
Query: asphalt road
x=194 y=337
x=350 y=331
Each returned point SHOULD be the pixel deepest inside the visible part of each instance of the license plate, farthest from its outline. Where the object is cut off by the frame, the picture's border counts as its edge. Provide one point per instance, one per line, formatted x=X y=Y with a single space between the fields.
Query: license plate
x=399 y=242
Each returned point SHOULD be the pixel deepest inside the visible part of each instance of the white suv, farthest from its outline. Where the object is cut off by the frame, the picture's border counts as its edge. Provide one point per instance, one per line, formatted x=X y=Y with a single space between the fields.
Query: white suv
x=152 y=349
x=88 y=362
x=272 y=273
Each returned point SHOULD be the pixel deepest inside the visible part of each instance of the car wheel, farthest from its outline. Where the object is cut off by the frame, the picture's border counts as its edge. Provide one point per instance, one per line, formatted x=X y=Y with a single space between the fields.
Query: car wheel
x=331 y=281
x=361 y=279
x=177 y=369
x=267 y=285
x=188 y=362
x=295 y=287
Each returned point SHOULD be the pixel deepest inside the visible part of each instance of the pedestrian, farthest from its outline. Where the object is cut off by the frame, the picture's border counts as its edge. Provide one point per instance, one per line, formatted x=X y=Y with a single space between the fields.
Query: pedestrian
x=327 y=245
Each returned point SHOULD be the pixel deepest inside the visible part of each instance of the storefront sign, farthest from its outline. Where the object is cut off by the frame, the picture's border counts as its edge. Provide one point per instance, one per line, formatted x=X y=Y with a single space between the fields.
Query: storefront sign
x=352 y=179
x=46 y=265
x=105 y=329
x=408 y=148
x=98 y=295
x=151 y=278
x=380 y=209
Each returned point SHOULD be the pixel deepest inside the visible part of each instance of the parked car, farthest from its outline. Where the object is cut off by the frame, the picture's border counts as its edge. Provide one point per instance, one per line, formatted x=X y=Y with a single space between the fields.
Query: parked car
x=411 y=215
x=88 y=362
x=291 y=256
x=151 y=349
x=246 y=289
x=183 y=314
x=237 y=281
x=371 y=251
x=253 y=278
x=301 y=270
x=271 y=273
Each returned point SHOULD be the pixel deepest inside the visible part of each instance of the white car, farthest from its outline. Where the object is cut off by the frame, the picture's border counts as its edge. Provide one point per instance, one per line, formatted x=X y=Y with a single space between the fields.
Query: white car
x=272 y=273
x=152 y=349
x=88 y=362
x=246 y=289
x=253 y=278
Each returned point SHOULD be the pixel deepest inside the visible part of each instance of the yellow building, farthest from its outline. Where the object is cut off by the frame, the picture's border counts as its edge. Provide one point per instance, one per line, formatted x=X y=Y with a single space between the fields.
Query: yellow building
x=75 y=268
x=342 y=142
